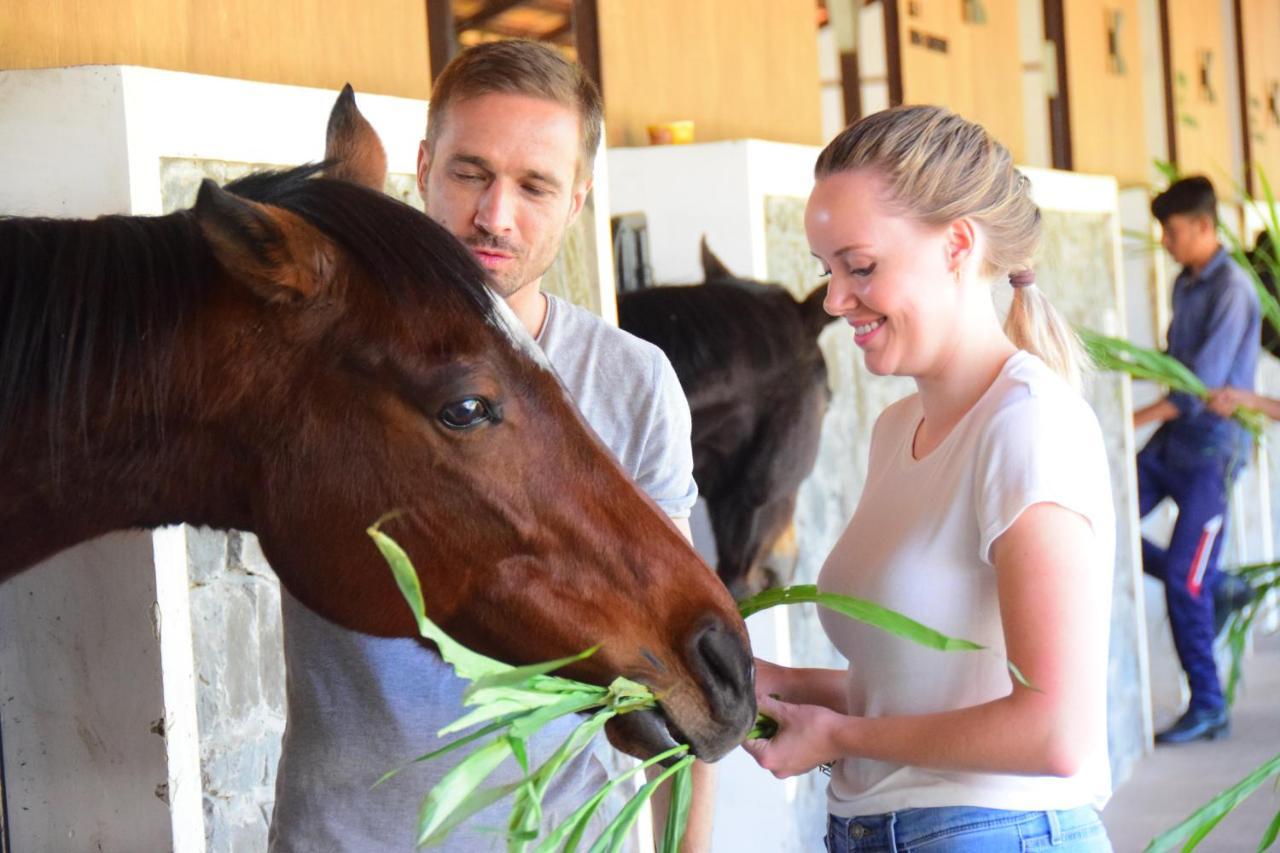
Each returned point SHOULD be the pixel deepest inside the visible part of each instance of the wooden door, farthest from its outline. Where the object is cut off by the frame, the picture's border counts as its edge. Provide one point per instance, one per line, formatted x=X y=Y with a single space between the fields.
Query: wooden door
x=1104 y=79
x=964 y=56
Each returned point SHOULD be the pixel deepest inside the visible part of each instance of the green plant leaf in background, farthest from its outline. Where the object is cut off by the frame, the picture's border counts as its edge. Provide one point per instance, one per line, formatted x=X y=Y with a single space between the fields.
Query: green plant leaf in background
x=1205 y=818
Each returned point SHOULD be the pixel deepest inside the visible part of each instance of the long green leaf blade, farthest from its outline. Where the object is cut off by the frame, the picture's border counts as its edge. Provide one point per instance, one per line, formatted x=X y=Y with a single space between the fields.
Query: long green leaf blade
x=568 y=835
x=677 y=811
x=615 y=834
x=1269 y=837
x=1214 y=810
x=520 y=674
x=860 y=609
x=454 y=790
x=466 y=663
x=452 y=745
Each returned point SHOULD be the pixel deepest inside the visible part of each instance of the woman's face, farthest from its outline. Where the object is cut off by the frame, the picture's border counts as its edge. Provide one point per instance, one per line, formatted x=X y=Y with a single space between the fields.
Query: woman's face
x=891 y=278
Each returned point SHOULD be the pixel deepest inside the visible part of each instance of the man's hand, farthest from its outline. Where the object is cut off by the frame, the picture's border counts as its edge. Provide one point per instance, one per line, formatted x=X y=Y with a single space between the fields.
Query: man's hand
x=1224 y=401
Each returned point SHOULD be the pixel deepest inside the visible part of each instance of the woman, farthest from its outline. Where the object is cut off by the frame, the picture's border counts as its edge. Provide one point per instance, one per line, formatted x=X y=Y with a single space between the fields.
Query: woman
x=986 y=513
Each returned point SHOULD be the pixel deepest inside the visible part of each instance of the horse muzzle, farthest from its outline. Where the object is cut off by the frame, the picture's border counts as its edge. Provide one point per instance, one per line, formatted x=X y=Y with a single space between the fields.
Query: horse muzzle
x=712 y=713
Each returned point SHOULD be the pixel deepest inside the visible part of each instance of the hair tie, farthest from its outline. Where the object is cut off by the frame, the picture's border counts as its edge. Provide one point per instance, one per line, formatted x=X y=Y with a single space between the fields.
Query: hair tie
x=1022 y=278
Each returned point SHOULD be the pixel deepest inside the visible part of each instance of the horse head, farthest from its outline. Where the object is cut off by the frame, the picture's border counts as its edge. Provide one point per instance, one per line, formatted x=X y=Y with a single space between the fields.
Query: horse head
x=747 y=356
x=342 y=358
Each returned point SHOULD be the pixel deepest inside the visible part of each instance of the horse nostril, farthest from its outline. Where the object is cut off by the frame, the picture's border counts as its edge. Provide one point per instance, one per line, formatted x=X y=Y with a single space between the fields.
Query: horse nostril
x=721 y=658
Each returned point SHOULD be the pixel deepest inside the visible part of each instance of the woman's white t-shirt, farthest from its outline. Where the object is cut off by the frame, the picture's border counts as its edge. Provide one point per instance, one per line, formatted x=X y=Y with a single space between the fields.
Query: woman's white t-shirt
x=919 y=542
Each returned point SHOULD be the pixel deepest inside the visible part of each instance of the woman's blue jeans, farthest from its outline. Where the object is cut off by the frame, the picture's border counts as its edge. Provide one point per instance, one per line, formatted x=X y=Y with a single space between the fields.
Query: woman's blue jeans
x=963 y=829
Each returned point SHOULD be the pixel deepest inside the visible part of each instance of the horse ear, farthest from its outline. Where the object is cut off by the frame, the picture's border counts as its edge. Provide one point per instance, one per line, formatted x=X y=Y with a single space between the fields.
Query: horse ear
x=713 y=269
x=812 y=314
x=352 y=147
x=275 y=253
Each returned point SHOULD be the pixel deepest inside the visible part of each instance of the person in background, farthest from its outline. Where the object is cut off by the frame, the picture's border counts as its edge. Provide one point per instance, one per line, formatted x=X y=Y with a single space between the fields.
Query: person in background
x=506 y=166
x=987 y=514
x=1196 y=453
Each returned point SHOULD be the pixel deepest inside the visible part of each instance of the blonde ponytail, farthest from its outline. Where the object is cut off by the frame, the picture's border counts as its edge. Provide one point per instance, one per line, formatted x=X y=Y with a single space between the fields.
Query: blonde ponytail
x=939 y=167
x=1034 y=325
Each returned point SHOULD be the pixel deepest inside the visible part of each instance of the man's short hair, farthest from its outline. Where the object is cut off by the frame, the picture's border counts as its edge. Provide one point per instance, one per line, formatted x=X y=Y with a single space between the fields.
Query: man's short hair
x=518 y=67
x=1188 y=196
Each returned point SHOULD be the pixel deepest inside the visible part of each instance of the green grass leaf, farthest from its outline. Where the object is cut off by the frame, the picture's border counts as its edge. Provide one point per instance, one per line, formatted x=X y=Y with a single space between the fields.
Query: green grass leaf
x=765 y=727
x=860 y=609
x=677 y=811
x=512 y=677
x=568 y=835
x=457 y=743
x=571 y=704
x=457 y=792
x=614 y=834
x=1117 y=354
x=466 y=663
x=1269 y=837
x=1207 y=816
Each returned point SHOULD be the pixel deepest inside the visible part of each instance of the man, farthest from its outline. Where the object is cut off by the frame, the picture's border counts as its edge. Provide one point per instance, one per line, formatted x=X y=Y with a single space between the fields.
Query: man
x=506 y=166
x=1195 y=454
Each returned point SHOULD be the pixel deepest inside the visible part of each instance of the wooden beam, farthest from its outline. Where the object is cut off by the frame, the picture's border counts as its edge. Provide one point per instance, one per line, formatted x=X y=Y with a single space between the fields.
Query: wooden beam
x=586 y=30
x=1243 y=92
x=442 y=41
x=893 y=51
x=1166 y=57
x=850 y=86
x=1055 y=31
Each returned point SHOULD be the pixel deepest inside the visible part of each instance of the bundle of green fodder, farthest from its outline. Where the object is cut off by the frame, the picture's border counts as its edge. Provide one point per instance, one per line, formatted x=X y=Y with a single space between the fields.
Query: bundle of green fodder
x=1119 y=355
x=510 y=704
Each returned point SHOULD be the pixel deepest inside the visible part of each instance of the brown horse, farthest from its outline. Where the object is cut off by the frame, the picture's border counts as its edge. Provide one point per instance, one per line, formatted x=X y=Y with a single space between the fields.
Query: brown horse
x=297 y=355
x=748 y=358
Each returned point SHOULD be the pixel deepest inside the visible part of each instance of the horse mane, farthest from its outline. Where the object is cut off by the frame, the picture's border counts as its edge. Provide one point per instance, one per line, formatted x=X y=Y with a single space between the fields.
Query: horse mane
x=705 y=328
x=109 y=294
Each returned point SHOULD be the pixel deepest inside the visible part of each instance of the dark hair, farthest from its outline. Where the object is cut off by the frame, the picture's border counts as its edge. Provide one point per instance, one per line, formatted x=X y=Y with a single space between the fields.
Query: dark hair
x=1192 y=196
x=519 y=67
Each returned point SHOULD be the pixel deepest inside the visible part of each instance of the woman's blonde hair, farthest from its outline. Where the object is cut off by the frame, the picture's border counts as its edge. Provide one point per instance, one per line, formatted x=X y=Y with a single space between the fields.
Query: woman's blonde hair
x=938 y=167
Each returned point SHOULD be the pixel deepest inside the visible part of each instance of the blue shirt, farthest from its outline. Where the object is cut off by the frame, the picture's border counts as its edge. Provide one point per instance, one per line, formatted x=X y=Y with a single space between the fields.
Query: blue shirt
x=1215 y=332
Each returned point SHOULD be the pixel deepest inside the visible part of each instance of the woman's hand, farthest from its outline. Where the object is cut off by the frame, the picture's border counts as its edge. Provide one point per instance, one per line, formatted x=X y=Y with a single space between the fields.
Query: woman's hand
x=806 y=737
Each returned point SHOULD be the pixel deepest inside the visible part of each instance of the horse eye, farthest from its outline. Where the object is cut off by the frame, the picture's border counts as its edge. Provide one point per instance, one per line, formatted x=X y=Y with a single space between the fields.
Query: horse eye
x=466 y=414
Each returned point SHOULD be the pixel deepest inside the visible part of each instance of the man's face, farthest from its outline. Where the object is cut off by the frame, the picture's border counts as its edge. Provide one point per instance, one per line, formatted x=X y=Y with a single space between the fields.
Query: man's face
x=503 y=178
x=1187 y=237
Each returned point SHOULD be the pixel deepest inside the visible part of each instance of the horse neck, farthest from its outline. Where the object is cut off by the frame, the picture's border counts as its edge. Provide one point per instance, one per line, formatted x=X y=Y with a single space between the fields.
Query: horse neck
x=107 y=446
x=123 y=479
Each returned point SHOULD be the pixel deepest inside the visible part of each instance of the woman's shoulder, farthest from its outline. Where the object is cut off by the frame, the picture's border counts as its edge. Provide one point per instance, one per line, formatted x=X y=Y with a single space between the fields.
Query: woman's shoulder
x=1029 y=389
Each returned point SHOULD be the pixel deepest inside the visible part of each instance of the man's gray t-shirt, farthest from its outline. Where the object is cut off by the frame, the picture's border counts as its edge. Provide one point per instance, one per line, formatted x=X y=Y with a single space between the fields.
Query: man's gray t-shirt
x=359 y=706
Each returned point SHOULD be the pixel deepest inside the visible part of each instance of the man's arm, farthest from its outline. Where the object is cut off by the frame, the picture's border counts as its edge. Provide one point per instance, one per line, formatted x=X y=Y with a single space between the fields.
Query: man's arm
x=1158 y=412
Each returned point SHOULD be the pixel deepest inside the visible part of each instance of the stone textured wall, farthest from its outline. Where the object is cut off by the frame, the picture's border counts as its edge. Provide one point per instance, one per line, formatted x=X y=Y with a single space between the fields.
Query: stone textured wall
x=240 y=699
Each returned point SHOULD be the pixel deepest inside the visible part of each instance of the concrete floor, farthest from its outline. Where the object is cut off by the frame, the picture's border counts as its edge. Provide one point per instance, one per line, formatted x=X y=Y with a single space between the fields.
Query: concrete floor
x=1172 y=782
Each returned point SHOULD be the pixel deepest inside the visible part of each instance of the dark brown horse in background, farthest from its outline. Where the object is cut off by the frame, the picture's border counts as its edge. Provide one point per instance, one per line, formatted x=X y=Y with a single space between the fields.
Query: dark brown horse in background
x=297 y=355
x=748 y=359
